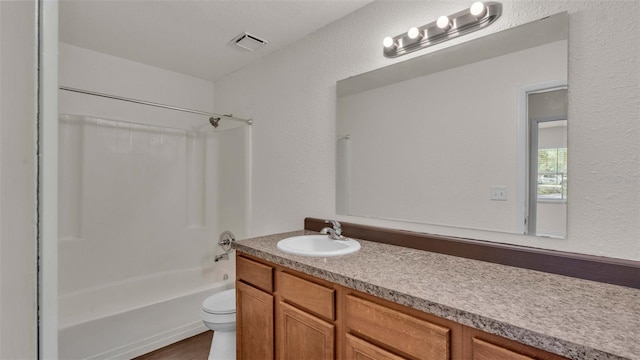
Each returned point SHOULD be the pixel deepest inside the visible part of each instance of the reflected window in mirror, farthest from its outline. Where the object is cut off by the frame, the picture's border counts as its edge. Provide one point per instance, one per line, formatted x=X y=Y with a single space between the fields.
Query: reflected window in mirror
x=547 y=114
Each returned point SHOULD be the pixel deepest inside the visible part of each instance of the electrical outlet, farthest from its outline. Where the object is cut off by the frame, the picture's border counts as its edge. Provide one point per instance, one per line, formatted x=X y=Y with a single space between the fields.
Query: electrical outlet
x=498 y=193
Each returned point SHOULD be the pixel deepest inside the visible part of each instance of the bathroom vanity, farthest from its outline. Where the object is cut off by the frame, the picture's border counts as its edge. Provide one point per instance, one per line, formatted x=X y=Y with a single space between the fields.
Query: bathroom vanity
x=390 y=302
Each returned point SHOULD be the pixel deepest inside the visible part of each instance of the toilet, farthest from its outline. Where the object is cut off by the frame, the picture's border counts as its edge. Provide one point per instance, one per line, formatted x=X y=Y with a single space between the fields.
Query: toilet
x=219 y=314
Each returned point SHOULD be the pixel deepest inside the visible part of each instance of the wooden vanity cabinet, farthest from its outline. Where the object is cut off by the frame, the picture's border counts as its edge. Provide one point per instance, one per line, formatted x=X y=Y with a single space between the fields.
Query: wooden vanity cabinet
x=305 y=318
x=283 y=314
x=288 y=315
x=254 y=310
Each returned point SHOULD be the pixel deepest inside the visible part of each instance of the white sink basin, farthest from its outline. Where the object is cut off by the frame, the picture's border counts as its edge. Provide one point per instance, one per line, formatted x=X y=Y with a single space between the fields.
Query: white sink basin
x=317 y=245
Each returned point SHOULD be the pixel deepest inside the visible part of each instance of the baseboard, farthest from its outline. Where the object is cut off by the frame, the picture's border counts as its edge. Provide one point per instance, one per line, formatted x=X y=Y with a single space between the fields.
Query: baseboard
x=150 y=344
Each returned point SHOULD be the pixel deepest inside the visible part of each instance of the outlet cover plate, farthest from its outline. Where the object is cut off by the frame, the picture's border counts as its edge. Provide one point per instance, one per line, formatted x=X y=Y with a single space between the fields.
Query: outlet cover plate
x=498 y=193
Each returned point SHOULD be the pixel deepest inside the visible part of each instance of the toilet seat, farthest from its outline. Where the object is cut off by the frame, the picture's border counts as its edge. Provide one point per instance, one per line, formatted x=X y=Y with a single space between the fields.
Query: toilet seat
x=222 y=303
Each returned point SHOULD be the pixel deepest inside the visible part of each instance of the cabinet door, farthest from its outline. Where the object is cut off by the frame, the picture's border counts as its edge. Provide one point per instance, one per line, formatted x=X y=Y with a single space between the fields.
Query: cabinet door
x=303 y=336
x=358 y=349
x=254 y=323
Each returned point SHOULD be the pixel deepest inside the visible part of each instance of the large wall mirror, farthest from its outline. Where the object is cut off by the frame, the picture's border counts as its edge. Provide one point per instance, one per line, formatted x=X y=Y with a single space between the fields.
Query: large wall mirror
x=471 y=136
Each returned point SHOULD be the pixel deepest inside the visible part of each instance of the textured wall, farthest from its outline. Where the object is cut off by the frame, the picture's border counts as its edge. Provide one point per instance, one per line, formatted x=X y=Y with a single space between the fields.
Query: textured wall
x=17 y=180
x=291 y=96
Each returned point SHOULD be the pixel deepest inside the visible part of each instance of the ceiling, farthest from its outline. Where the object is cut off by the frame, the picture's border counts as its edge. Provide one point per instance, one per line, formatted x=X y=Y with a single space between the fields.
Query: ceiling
x=193 y=37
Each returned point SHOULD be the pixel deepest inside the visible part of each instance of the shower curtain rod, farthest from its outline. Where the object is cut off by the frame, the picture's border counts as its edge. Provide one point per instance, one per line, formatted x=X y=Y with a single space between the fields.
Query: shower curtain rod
x=214 y=118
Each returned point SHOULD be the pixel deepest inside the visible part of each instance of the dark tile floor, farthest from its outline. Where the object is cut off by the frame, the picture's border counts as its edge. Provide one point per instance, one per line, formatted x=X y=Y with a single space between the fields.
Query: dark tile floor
x=193 y=348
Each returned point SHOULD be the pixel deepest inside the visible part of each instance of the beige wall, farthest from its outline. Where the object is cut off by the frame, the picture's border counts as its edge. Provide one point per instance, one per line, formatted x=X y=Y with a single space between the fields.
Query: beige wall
x=17 y=180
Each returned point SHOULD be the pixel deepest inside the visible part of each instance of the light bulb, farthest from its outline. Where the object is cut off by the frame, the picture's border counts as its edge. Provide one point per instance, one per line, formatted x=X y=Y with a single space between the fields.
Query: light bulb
x=388 y=42
x=413 y=33
x=478 y=9
x=443 y=23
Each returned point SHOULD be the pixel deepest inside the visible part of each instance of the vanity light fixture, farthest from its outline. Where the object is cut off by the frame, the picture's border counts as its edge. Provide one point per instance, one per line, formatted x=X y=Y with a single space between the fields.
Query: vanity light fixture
x=479 y=15
x=443 y=23
x=388 y=42
x=414 y=33
x=478 y=9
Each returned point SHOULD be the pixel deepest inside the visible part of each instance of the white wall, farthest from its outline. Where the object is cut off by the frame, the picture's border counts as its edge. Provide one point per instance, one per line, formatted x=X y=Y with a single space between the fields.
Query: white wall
x=90 y=70
x=234 y=176
x=291 y=96
x=1 y=132
x=17 y=180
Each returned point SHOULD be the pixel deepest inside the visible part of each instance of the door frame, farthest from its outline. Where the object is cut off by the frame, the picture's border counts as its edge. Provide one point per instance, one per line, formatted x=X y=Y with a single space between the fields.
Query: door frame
x=47 y=200
x=523 y=146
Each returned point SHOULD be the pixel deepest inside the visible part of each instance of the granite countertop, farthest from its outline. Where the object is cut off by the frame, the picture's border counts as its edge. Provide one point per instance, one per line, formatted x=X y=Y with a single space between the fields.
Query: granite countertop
x=576 y=318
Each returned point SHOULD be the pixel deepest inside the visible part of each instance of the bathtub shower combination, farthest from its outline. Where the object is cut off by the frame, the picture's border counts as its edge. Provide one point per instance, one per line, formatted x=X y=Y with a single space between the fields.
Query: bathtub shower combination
x=141 y=209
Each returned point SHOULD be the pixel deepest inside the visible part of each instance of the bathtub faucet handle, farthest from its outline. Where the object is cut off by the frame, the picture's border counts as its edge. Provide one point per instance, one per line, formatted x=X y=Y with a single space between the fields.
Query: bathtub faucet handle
x=226 y=239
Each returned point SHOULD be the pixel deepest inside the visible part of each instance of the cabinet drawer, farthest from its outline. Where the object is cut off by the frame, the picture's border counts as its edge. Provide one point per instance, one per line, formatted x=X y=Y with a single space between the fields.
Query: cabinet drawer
x=310 y=296
x=254 y=273
x=358 y=349
x=479 y=345
x=483 y=350
x=404 y=333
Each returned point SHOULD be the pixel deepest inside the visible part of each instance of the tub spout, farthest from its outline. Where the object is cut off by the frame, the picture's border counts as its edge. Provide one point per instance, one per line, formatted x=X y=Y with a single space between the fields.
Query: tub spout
x=224 y=256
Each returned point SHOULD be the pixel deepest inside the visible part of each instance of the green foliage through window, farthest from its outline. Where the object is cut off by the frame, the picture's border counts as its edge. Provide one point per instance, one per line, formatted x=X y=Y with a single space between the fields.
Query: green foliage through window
x=552 y=174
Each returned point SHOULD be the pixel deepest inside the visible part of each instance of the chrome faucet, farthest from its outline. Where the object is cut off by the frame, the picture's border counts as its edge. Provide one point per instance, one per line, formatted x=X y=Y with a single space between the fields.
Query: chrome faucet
x=334 y=232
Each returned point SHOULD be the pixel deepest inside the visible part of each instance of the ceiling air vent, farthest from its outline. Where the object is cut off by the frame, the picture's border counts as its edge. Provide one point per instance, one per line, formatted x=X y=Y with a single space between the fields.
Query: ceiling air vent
x=248 y=41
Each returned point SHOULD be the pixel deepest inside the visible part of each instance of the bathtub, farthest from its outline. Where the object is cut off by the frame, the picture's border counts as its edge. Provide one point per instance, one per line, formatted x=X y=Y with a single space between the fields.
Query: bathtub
x=129 y=318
